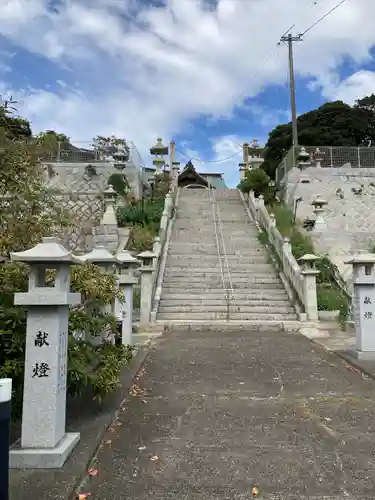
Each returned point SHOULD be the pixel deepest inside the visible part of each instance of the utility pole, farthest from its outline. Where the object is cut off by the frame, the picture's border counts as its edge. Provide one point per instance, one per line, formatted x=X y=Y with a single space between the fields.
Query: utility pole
x=289 y=39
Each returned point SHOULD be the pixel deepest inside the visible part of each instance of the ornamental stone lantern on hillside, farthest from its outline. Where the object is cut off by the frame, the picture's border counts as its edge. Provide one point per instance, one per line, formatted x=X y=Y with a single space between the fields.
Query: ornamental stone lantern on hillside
x=158 y=152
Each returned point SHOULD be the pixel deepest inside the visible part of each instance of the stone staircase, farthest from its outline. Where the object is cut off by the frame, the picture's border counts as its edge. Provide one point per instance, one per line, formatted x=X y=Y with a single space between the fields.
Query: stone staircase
x=194 y=286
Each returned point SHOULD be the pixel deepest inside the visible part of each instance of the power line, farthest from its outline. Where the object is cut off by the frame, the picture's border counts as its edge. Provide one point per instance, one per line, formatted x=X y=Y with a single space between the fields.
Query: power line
x=323 y=17
x=208 y=161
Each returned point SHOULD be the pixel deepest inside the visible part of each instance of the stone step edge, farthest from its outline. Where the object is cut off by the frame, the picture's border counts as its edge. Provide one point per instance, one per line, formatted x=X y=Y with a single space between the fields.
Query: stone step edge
x=287 y=325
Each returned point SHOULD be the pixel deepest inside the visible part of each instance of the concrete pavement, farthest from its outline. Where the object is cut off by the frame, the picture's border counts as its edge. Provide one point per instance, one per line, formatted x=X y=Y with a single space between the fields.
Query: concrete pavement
x=218 y=413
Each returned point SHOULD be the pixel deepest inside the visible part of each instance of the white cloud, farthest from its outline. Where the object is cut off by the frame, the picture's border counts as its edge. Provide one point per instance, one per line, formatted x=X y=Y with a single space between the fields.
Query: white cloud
x=142 y=71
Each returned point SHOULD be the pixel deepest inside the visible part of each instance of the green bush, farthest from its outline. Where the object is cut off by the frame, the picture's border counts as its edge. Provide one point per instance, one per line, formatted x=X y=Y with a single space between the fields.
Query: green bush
x=257 y=180
x=32 y=214
x=330 y=297
x=119 y=184
x=138 y=213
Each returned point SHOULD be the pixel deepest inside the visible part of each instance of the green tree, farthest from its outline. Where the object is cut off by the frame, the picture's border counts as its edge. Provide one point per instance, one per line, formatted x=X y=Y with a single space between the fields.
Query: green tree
x=333 y=124
x=13 y=126
x=366 y=107
x=27 y=213
x=258 y=181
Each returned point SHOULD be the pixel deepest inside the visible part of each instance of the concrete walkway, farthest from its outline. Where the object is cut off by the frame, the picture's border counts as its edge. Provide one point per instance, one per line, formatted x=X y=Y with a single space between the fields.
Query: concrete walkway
x=224 y=412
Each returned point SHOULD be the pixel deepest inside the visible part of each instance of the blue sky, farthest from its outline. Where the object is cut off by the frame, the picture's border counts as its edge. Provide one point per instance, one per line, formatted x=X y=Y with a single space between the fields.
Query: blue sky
x=188 y=70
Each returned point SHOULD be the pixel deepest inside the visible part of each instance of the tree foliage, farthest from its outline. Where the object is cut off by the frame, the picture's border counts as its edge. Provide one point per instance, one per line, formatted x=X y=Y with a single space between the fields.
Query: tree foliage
x=14 y=127
x=258 y=181
x=332 y=124
x=28 y=213
x=108 y=146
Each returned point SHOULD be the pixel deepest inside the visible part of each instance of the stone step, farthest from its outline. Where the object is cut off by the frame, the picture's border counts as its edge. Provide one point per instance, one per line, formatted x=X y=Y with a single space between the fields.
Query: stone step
x=259 y=254
x=195 y=295
x=209 y=274
x=211 y=304
x=265 y=277
x=222 y=326
x=197 y=247
x=202 y=316
x=233 y=308
x=214 y=264
x=202 y=287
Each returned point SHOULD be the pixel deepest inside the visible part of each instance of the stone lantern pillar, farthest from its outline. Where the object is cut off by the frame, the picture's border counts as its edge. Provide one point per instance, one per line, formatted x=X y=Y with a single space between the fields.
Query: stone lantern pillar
x=126 y=281
x=318 y=158
x=106 y=234
x=320 y=224
x=109 y=216
x=147 y=274
x=107 y=262
x=44 y=443
x=158 y=152
x=120 y=157
x=303 y=159
x=364 y=304
x=309 y=273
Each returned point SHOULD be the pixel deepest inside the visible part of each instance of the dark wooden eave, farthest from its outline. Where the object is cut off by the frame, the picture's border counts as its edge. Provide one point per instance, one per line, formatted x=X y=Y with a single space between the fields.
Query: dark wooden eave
x=190 y=176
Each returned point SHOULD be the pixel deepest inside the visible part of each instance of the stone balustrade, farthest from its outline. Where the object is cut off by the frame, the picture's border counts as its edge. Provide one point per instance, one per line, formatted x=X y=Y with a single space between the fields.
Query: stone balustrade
x=302 y=278
x=153 y=263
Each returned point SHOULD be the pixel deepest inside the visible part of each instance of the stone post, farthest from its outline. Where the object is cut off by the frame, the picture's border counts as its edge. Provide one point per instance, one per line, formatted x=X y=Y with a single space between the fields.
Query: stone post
x=147 y=271
x=44 y=443
x=175 y=173
x=364 y=304
x=309 y=273
x=124 y=308
x=168 y=203
x=107 y=262
x=157 y=247
x=287 y=247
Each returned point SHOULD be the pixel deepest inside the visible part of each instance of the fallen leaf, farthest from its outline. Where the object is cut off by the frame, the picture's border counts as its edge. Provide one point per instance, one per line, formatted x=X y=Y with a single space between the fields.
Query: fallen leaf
x=93 y=472
x=141 y=448
x=353 y=369
x=255 y=492
x=108 y=442
x=155 y=458
x=119 y=424
x=83 y=496
x=144 y=401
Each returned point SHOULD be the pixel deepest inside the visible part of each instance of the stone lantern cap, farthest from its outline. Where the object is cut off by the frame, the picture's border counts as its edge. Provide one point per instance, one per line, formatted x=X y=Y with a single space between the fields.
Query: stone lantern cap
x=109 y=192
x=126 y=259
x=49 y=251
x=159 y=148
x=319 y=202
x=303 y=155
x=147 y=258
x=99 y=255
x=308 y=260
x=318 y=154
x=362 y=259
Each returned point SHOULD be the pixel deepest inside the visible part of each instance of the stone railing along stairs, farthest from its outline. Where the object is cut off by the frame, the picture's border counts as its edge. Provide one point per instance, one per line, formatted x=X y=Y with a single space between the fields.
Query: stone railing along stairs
x=216 y=269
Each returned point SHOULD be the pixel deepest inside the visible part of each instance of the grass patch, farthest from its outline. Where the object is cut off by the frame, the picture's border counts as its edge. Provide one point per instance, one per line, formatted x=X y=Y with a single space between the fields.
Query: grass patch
x=329 y=295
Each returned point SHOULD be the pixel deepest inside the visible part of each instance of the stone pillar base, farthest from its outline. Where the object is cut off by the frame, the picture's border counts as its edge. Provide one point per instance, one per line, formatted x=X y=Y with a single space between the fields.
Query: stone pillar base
x=365 y=355
x=43 y=458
